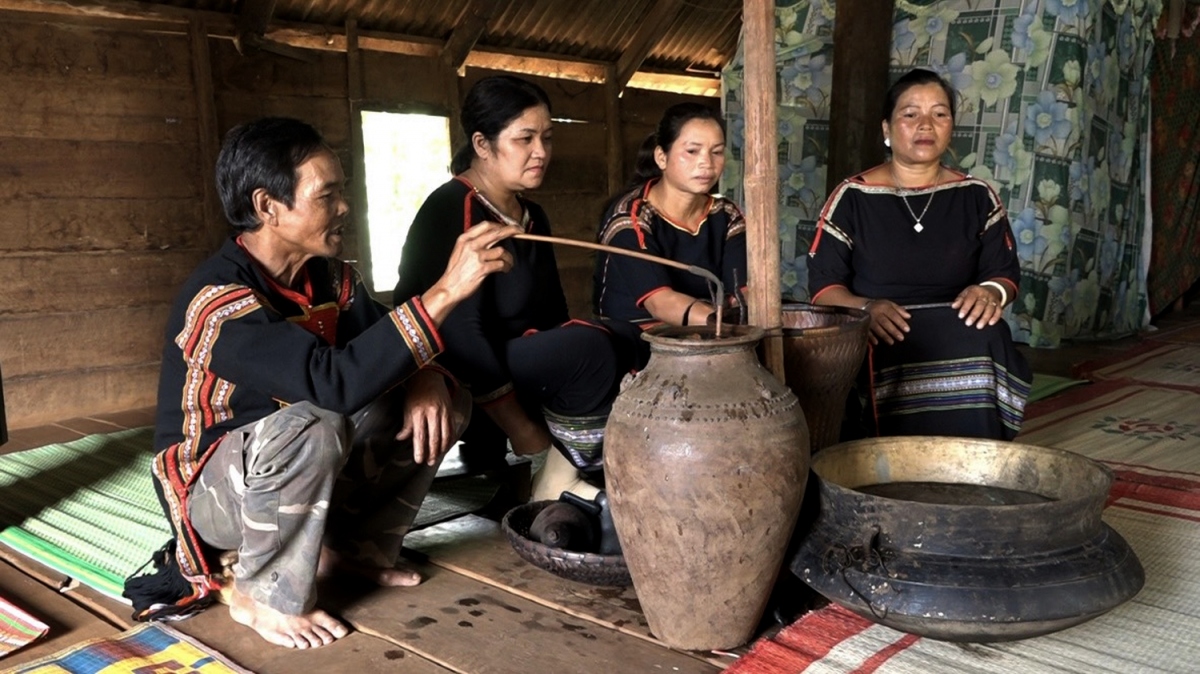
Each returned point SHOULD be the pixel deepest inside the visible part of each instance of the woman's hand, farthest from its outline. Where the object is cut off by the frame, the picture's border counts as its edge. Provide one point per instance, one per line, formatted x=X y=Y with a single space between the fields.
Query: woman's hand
x=979 y=306
x=474 y=257
x=428 y=417
x=889 y=321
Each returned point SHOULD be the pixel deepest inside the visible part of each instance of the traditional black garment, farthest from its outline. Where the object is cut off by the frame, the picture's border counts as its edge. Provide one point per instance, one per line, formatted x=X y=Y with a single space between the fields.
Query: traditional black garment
x=945 y=378
x=622 y=284
x=514 y=336
x=239 y=347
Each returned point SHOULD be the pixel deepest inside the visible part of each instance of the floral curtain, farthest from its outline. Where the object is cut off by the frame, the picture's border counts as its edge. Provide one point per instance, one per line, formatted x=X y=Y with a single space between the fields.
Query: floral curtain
x=1053 y=113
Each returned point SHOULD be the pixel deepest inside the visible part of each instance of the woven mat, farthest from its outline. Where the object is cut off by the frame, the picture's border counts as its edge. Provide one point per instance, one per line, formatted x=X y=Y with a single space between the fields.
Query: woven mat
x=1150 y=362
x=1141 y=424
x=150 y=647
x=87 y=508
x=17 y=628
x=1154 y=632
x=1150 y=436
x=1185 y=335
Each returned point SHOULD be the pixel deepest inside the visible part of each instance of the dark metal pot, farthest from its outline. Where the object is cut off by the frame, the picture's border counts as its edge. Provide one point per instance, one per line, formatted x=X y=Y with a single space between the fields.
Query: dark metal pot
x=965 y=539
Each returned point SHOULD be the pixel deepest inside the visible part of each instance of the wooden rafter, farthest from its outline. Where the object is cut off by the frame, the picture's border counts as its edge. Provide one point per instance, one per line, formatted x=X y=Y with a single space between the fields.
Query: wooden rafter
x=464 y=36
x=308 y=37
x=255 y=16
x=656 y=24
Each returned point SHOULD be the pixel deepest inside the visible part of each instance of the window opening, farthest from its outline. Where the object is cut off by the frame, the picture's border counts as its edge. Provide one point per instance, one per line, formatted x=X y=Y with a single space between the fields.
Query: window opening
x=407 y=156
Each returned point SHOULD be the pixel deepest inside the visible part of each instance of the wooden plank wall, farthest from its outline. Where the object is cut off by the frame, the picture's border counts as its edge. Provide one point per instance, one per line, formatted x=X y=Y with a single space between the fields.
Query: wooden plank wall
x=101 y=217
x=103 y=197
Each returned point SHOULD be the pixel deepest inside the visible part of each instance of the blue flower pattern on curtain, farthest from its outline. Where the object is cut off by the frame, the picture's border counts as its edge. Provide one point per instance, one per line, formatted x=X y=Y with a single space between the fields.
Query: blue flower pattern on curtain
x=1053 y=114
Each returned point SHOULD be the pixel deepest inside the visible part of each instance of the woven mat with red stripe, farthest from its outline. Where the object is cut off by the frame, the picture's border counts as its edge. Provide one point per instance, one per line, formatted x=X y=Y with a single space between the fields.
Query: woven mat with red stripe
x=1146 y=427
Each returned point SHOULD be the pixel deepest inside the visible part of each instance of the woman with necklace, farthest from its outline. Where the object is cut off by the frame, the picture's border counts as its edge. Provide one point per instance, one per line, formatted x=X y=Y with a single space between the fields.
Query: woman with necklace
x=539 y=380
x=929 y=253
x=669 y=210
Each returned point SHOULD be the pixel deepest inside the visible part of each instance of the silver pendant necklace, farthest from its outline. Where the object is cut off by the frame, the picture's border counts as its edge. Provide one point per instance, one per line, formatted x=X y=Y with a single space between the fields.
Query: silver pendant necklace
x=904 y=197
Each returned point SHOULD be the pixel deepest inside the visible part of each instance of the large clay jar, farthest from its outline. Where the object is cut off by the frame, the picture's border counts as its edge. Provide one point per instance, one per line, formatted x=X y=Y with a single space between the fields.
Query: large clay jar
x=706 y=457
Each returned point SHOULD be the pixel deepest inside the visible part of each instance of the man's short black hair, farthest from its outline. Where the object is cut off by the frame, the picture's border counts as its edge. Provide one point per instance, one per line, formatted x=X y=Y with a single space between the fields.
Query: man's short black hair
x=263 y=153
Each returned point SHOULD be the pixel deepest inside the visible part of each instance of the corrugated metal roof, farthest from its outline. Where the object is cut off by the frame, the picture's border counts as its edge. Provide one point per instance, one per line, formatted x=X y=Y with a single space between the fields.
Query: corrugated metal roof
x=703 y=37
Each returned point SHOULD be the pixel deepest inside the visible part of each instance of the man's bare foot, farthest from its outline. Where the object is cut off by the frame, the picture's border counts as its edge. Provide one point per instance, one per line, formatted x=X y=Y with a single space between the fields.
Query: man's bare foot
x=310 y=630
x=398 y=576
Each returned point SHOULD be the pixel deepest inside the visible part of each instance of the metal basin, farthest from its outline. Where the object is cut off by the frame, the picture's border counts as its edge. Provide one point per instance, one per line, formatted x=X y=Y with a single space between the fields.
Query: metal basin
x=965 y=539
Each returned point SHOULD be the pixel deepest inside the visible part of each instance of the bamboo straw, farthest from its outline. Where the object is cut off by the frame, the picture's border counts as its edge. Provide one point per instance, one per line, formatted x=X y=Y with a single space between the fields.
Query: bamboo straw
x=719 y=299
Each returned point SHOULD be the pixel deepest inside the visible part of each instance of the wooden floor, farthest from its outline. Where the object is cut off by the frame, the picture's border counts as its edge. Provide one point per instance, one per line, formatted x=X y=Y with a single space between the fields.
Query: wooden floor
x=482 y=609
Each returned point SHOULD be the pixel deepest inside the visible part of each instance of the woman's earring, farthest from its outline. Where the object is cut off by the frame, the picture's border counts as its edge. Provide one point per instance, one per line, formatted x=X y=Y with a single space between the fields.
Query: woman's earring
x=887 y=142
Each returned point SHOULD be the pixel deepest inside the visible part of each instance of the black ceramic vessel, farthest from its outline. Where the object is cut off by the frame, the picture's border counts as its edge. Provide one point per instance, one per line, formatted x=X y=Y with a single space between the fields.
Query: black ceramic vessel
x=965 y=540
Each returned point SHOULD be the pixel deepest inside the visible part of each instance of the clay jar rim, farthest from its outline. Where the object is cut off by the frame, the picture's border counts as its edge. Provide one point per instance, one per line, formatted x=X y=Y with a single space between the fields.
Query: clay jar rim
x=681 y=339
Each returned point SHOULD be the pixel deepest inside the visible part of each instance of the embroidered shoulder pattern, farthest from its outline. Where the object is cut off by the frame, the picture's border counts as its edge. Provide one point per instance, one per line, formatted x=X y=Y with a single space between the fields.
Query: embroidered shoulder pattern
x=622 y=220
x=737 y=221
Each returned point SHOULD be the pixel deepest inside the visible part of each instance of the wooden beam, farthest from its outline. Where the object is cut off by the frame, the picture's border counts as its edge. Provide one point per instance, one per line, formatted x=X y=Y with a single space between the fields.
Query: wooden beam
x=534 y=63
x=464 y=36
x=453 y=91
x=612 y=124
x=656 y=24
x=762 y=178
x=167 y=18
x=255 y=16
x=208 y=136
x=358 y=177
x=862 y=38
x=695 y=85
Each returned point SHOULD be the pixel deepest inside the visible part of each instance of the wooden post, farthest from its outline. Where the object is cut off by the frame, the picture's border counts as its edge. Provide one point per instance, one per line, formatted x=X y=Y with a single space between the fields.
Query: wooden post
x=762 y=178
x=358 y=178
x=862 y=40
x=612 y=121
x=453 y=89
x=208 y=137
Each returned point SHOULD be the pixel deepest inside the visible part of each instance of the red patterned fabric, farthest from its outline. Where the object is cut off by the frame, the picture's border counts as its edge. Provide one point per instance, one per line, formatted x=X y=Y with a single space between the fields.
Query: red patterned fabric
x=1175 y=181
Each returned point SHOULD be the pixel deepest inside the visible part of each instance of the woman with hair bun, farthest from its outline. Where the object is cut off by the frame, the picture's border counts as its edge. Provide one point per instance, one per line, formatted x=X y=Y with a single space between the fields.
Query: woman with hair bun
x=669 y=209
x=538 y=378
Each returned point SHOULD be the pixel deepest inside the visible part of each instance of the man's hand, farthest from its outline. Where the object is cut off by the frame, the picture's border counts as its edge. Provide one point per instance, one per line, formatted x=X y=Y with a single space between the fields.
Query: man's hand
x=474 y=257
x=427 y=416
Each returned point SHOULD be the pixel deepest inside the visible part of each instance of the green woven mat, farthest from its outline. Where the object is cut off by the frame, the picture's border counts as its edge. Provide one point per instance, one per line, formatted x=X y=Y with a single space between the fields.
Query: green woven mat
x=85 y=508
x=1046 y=385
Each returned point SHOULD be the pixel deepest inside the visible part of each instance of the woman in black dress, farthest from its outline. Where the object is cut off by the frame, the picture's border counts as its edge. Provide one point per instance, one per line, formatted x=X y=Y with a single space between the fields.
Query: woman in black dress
x=928 y=251
x=669 y=210
x=542 y=379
